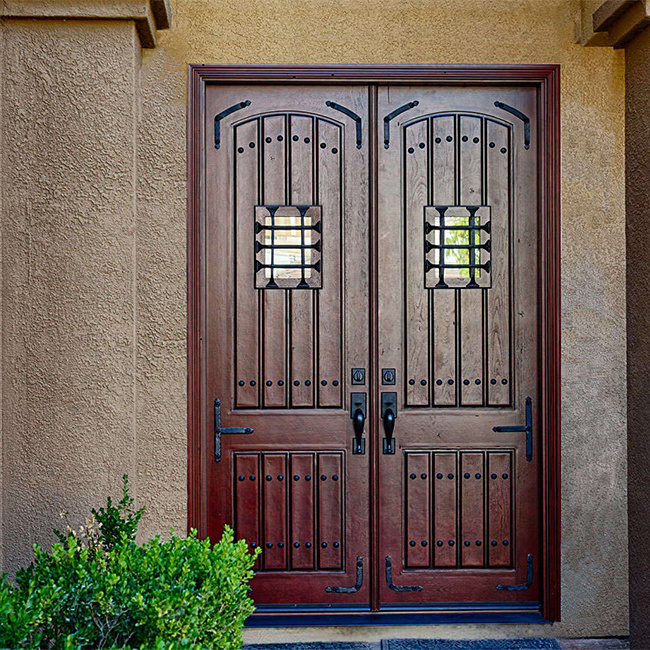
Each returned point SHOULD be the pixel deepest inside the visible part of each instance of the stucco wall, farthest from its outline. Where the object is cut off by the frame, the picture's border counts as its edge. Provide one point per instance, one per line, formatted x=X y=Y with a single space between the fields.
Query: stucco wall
x=94 y=370
x=638 y=295
x=68 y=288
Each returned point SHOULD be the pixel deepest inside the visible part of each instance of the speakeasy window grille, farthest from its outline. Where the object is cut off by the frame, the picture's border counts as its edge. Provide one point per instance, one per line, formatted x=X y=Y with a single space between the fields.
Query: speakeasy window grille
x=457 y=247
x=288 y=247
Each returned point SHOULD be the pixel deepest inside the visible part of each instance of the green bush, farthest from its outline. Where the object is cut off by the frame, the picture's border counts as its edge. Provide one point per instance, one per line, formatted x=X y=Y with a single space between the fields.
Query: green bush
x=93 y=591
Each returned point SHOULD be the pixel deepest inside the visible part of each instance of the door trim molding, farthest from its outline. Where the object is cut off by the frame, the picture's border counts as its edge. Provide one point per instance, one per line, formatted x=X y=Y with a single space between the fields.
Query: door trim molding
x=547 y=79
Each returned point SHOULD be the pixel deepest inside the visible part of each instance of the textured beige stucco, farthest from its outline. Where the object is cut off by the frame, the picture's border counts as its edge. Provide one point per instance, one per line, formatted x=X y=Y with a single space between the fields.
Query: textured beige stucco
x=94 y=279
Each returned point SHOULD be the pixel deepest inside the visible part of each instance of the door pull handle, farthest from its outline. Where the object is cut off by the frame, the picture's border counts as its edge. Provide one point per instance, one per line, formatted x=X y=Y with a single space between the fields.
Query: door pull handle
x=388 y=415
x=218 y=430
x=527 y=429
x=358 y=414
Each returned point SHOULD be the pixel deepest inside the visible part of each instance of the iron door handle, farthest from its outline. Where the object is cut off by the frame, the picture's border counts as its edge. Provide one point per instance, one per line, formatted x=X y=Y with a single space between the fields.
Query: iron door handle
x=358 y=414
x=359 y=421
x=388 y=415
x=389 y=427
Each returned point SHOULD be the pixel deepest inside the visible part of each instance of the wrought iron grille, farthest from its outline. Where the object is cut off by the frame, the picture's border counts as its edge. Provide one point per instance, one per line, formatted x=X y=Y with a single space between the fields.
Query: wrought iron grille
x=288 y=247
x=457 y=247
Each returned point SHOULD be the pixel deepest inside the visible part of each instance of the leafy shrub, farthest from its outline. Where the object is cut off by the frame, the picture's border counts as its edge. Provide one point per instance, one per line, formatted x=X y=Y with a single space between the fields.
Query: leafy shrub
x=180 y=594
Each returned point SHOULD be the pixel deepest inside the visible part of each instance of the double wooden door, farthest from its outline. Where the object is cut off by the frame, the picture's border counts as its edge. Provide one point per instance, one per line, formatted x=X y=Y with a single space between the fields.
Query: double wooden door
x=370 y=346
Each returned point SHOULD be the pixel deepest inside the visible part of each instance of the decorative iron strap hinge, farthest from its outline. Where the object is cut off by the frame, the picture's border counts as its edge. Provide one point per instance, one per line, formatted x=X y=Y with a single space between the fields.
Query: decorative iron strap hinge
x=220 y=116
x=357 y=584
x=394 y=114
x=524 y=118
x=219 y=430
x=389 y=579
x=527 y=428
x=529 y=578
x=353 y=115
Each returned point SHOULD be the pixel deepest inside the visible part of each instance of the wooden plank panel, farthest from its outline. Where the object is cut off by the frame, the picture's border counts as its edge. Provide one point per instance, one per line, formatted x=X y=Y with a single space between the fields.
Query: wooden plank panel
x=329 y=298
x=444 y=509
x=301 y=192
x=443 y=300
x=274 y=301
x=416 y=189
x=417 y=509
x=472 y=482
x=247 y=341
x=500 y=483
x=247 y=495
x=302 y=511
x=498 y=297
x=275 y=511
x=471 y=300
x=330 y=511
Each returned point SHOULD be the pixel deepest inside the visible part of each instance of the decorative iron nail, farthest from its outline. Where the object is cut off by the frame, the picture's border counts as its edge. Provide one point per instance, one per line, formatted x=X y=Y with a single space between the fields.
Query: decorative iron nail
x=414 y=476
x=280 y=138
x=467 y=474
x=494 y=542
x=280 y=477
x=323 y=477
x=439 y=382
x=269 y=383
x=307 y=140
x=494 y=475
x=450 y=476
x=323 y=382
x=335 y=150
x=324 y=544
x=280 y=544
x=336 y=544
x=504 y=381
x=503 y=149
x=296 y=383
x=322 y=145
x=439 y=476
x=241 y=478
x=504 y=475
x=478 y=542
x=411 y=150
x=466 y=382
x=451 y=542
x=296 y=544
x=438 y=140
x=477 y=382
x=478 y=475
x=240 y=149
x=335 y=477
x=424 y=542
x=253 y=382
x=505 y=542
x=252 y=477
x=411 y=382
x=450 y=382
x=449 y=138
x=308 y=383
x=423 y=475
x=439 y=542
x=295 y=138
x=296 y=477
x=241 y=383
x=268 y=139
x=308 y=544
x=269 y=545
x=269 y=477
x=421 y=145
x=465 y=138
x=281 y=383
x=467 y=543
x=423 y=382
x=475 y=140
x=412 y=543
x=492 y=145
x=251 y=145
x=493 y=381
x=335 y=383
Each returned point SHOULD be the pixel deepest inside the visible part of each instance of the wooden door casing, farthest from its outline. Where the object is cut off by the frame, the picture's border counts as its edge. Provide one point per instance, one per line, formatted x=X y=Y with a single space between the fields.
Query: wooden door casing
x=542 y=82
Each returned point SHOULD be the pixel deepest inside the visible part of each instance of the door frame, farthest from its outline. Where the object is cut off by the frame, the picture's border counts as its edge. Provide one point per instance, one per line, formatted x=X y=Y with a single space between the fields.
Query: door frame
x=546 y=78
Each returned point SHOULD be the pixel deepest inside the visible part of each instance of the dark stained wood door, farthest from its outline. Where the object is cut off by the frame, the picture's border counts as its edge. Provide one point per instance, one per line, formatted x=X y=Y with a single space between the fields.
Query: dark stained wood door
x=388 y=281
x=459 y=505
x=287 y=320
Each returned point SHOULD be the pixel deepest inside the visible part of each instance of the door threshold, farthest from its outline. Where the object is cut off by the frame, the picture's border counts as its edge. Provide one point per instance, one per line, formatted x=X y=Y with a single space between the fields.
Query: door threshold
x=442 y=614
